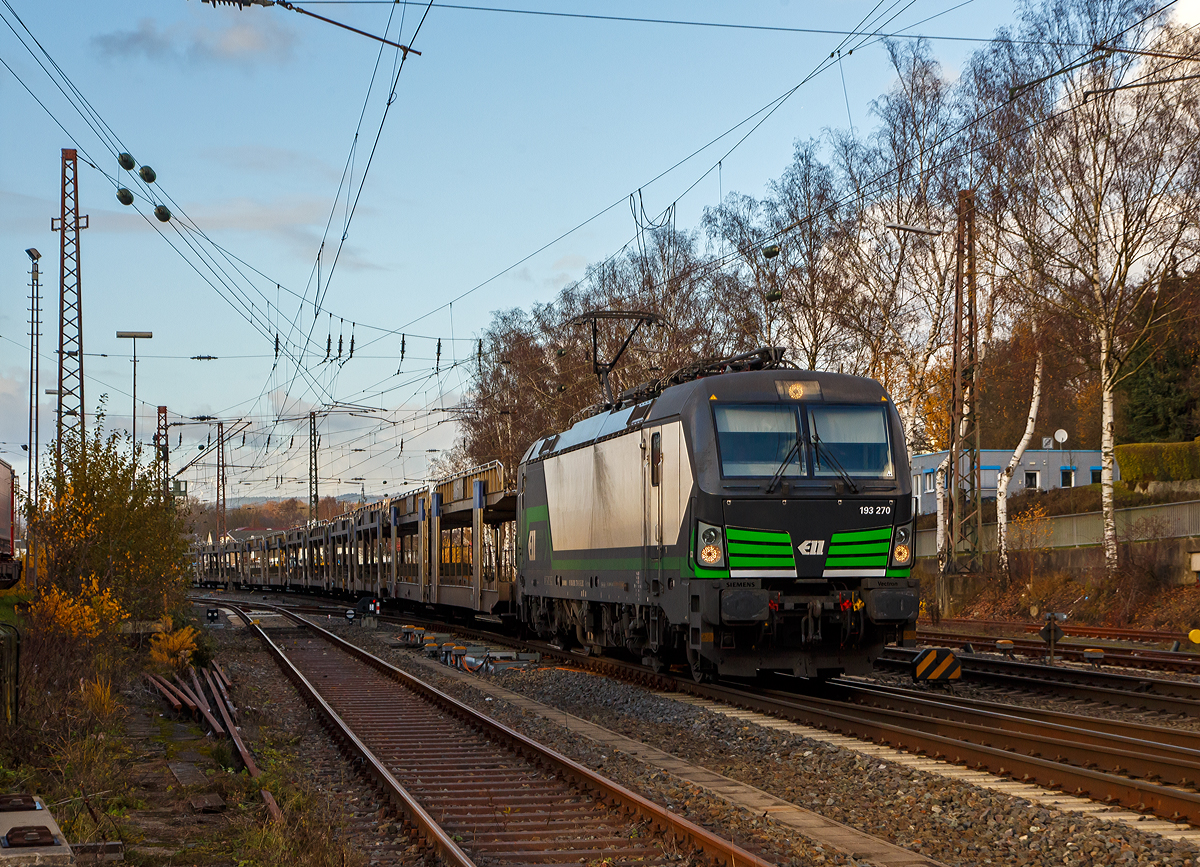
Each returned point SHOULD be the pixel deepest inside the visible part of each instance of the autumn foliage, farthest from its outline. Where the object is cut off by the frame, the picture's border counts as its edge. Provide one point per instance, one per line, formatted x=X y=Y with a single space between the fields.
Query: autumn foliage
x=101 y=522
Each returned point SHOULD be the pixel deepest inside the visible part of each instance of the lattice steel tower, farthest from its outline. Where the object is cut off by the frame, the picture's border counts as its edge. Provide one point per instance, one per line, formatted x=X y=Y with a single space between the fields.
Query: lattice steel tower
x=221 y=480
x=314 y=498
x=966 y=507
x=70 y=308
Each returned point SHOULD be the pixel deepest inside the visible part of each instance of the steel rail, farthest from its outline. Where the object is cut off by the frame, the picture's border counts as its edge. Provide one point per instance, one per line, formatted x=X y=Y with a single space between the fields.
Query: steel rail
x=429 y=829
x=1175 y=737
x=1171 y=696
x=1126 y=657
x=1078 y=629
x=1165 y=801
x=899 y=732
x=1081 y=742
x=724 y=851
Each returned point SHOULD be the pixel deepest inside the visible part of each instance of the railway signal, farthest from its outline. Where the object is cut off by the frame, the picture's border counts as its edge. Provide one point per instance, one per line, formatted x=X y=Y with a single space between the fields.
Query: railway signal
x=1052 y=633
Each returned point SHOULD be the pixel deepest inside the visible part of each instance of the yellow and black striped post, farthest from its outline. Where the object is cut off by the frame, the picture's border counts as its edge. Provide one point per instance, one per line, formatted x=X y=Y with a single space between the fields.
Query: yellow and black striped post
x=936 y=664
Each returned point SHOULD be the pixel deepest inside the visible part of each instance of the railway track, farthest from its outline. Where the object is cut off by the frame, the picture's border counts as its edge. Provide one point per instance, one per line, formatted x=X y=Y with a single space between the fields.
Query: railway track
x=1146 y=768
x=474 y=790
x=1124 y=657
x=1168 y=696
x=1112 y=633
x=1059 y=755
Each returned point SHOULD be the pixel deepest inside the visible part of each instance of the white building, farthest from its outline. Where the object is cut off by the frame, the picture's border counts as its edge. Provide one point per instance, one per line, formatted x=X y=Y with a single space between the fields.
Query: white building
x=1044 y=469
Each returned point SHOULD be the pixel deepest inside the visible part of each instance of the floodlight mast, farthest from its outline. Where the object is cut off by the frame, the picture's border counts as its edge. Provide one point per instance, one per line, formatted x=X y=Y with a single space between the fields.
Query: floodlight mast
x=602 y=369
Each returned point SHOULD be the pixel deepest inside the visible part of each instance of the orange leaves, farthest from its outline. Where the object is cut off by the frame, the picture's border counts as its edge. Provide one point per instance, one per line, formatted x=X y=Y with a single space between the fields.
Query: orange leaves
x=174 y=649
x=90 y=615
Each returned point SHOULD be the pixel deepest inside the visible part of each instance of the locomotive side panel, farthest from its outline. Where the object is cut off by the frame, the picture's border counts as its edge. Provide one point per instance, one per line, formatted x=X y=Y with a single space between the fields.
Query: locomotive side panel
x=601 y=561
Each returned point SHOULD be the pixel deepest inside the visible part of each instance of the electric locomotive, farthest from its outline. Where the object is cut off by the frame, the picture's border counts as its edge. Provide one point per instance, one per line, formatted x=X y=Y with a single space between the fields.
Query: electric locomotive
x=750 y=521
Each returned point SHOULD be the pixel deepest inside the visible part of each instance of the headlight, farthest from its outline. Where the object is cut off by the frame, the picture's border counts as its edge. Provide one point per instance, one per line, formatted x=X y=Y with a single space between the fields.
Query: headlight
x=711 y=545
x=902 y=546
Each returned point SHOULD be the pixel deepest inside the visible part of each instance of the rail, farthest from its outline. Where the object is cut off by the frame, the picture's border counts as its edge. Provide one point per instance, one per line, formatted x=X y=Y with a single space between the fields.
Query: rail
x=724 y=851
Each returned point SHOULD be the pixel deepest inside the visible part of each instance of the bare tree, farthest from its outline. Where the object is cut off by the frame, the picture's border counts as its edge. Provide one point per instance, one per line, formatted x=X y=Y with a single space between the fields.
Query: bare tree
x=1103 y=188
x=906 y=173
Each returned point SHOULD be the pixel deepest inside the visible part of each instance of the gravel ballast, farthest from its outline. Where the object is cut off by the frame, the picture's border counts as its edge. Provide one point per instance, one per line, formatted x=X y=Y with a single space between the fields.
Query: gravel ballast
x=951 y=821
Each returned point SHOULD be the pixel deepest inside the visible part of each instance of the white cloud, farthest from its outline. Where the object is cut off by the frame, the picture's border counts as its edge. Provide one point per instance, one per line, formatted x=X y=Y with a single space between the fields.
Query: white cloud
x=1187 y=12
x=248 y=40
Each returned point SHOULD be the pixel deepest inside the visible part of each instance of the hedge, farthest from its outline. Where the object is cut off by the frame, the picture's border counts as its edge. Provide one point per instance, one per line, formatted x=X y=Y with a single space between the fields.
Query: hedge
x=1159 y=462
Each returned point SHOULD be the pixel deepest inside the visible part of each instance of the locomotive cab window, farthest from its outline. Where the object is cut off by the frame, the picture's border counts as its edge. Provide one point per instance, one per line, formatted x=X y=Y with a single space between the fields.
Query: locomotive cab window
x=850 y=438
x=756 y=440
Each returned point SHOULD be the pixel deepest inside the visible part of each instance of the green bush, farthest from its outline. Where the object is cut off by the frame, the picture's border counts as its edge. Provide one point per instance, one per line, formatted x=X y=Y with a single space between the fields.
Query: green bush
x=1159 y=462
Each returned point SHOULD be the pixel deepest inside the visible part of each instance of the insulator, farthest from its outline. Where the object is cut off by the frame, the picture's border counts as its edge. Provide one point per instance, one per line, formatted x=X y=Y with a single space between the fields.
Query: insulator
x=124 y=196
x=351 y=348
x=126 y=162
x=277 y=346
x=438 y=363
x=147 y=174
x=163 y=213
x=328 y=346
x=339 y=346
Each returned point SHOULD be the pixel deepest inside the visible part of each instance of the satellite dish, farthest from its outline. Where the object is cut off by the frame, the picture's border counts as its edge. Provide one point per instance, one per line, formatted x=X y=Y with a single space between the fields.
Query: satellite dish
x=1060 y=436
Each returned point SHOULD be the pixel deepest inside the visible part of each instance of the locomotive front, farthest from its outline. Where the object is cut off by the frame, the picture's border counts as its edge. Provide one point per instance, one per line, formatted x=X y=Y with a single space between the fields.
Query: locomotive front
x=801 y=541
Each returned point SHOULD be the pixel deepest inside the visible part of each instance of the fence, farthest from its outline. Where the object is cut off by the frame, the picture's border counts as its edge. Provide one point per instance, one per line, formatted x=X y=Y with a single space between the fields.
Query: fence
x=1170 y=521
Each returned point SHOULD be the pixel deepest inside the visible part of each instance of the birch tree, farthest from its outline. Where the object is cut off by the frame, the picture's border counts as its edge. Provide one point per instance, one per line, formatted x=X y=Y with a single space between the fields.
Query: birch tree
x=1103 y=195
x=1006 y=474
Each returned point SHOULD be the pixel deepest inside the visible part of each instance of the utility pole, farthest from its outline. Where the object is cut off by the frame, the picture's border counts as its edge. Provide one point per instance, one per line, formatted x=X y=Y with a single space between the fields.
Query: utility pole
x=31 y=478
x=313 y=495
x=966 y=512
x=221 y=480
x=70 y=309
x=162 y=452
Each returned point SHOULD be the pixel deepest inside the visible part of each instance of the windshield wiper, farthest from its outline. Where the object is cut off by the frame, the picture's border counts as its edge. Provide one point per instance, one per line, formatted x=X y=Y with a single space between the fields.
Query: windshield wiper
x=819 y=447
x=787 y=459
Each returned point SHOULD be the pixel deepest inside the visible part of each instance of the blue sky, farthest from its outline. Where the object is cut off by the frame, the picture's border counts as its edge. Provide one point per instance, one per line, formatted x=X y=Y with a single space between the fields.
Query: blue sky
x=505 y=133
